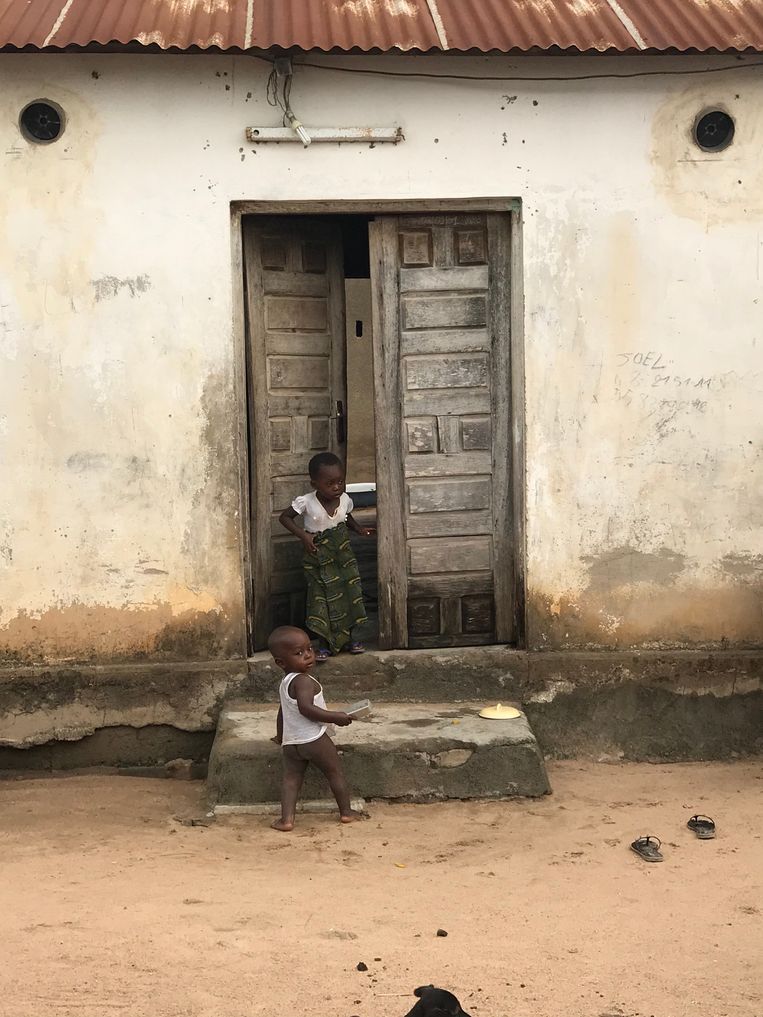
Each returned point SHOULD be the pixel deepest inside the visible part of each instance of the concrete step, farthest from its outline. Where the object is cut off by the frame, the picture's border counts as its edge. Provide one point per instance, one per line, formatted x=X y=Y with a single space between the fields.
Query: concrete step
x=441 y=675
x=405 y=751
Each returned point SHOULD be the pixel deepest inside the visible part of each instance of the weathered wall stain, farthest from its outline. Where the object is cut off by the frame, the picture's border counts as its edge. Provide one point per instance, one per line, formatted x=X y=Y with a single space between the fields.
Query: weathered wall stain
x=109 y=286
x=81 y=633
x=623 y=566
x=647 y=614
x=743 y=567
x=81 y=462
x=712 y=188
x=42 y=185
x=214 y=520
x=192 y=624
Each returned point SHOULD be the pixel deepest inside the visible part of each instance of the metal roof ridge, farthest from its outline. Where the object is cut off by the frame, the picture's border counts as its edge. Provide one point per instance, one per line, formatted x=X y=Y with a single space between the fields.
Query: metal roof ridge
x=249 y=27
x=439 y=27
x=58 y=22
x=627 y=24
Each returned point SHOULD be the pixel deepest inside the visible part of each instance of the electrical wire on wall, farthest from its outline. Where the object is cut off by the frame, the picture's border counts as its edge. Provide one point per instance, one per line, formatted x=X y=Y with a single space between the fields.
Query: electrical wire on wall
x=596 y=76
x=278 y=92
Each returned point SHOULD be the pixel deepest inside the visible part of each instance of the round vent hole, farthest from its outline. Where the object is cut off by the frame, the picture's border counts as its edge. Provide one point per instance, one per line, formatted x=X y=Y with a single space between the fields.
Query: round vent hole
x=42 y=122
x=714 y=130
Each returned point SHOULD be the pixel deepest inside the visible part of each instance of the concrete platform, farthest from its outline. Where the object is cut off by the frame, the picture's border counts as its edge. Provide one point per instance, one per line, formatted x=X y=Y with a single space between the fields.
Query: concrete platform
x=412 y=752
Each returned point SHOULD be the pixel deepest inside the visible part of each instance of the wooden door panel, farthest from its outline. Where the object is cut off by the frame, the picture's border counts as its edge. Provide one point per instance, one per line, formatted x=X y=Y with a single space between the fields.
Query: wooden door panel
x=442 y=370
x=449 y=524
x=296 y=328
x=293 y=284
x=451 y=464
x=442 y=381
x=450 y=586
x=447 y=402
x=449 y=434
x=444 y=279
x=294 y=344
x=449 y=494
x=447 y=555
x=445 y=340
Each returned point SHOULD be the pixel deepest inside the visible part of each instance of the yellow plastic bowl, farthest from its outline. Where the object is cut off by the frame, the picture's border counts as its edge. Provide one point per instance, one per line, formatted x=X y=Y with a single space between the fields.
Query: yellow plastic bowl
x=499 y=712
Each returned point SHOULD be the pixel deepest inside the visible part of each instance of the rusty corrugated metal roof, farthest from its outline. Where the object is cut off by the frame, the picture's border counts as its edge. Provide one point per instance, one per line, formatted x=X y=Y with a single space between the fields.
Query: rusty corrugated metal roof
x=388 y=25
x=344 y=24
x=168 y=23
x=697 y=24
x=528 y=24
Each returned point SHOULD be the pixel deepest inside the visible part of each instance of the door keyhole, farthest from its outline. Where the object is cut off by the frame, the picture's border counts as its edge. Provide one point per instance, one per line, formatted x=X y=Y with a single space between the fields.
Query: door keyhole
x=358 y=329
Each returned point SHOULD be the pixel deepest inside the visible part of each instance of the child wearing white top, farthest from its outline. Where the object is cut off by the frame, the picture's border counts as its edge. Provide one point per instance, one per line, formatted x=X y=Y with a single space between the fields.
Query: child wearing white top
x=301 y=727
x=335 y=610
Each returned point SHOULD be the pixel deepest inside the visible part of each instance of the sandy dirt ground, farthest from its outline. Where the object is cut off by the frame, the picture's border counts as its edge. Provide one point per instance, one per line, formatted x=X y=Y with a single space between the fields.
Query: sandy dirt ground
x=110 y=905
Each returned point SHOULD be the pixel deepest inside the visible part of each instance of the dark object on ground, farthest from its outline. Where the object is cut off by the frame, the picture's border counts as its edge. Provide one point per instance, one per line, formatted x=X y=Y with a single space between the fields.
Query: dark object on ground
x=648 y=848
x=703 y=826
x=436 y=1003
x=362 y=966
x=441 y=932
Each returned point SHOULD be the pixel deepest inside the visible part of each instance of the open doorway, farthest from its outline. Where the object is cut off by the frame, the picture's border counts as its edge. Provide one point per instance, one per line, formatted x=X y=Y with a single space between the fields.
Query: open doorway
x=361 y=426
x=311 y=375
x=386 y=339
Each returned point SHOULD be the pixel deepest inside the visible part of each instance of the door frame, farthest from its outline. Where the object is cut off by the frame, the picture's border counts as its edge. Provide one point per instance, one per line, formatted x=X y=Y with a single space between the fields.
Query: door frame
x=244 y=394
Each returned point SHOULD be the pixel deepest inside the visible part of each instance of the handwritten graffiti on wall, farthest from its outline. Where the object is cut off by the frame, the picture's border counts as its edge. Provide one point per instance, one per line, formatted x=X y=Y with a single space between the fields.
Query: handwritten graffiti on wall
x=651 y=383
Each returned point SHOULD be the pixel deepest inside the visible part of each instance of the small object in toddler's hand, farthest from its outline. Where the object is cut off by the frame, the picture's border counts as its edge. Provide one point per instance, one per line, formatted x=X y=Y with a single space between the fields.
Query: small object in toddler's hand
x=359 y=710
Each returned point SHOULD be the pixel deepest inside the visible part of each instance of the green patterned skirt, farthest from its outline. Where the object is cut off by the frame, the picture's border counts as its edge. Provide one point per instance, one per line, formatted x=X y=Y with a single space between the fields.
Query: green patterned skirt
x=334 y=596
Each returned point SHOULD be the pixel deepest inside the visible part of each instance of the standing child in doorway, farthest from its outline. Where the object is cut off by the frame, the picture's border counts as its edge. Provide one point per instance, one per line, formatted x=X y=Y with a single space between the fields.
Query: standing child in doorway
x=335 y=610
x=301 y=728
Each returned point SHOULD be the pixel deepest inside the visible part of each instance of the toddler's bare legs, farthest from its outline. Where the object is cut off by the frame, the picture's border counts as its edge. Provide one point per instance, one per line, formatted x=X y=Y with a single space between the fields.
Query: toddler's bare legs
x=324 y=755
x=293 y=774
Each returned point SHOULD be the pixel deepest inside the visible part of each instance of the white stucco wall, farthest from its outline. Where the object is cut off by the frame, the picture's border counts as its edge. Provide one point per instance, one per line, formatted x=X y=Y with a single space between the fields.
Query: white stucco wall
x=643 y=326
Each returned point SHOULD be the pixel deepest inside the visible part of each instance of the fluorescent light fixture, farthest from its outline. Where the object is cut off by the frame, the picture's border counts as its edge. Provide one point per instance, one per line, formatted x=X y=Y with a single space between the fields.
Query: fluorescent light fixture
x=367 y=135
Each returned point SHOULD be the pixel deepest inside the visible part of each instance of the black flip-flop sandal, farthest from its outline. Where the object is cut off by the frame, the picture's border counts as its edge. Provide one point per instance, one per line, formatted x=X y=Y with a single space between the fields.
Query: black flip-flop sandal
x=703 y=826
x=648 y=848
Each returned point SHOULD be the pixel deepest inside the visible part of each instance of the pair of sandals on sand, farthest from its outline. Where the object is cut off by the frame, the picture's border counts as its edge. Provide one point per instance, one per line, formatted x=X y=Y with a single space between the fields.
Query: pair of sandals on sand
x=648 y=848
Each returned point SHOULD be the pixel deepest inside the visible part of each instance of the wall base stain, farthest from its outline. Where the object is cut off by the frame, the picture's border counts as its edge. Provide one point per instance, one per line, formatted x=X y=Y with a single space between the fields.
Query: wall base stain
x=91 y=633
x=625 y=565
x=644 y=615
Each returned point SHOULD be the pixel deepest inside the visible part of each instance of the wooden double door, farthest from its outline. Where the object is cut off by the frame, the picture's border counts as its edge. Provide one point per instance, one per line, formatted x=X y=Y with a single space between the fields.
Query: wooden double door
x=441 y=294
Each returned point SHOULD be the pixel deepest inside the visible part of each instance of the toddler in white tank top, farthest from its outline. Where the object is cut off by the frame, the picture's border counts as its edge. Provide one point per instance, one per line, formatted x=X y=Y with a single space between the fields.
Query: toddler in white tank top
x=295 y=728
x=302 y=726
